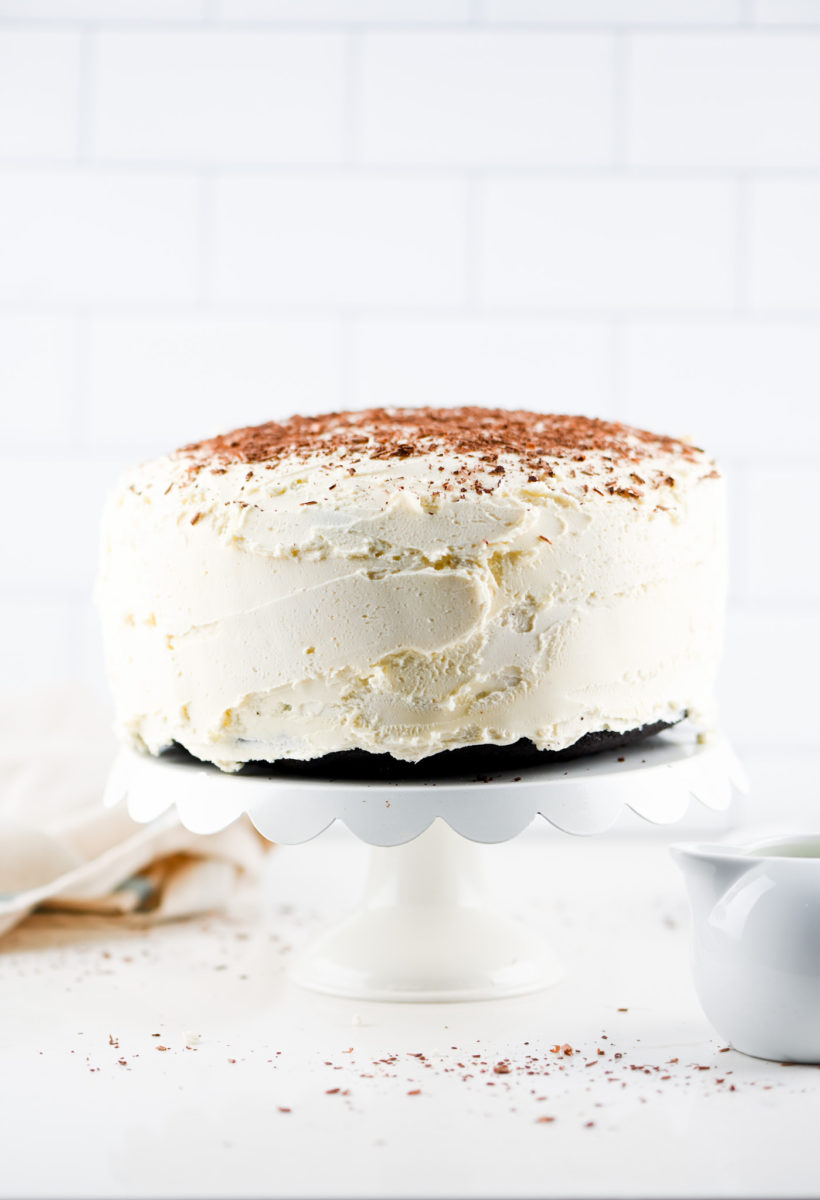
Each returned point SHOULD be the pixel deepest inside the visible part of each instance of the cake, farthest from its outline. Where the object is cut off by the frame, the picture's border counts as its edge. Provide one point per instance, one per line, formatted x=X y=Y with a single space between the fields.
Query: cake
x=413 y=586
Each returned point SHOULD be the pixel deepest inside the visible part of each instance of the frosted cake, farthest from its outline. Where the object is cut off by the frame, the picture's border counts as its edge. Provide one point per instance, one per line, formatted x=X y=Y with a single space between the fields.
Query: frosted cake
x=391 y=585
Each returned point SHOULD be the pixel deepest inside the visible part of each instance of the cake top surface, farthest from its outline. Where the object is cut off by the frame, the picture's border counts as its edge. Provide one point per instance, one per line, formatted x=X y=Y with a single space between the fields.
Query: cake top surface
x=401 y=433
x=451 y=453
x=355 y=461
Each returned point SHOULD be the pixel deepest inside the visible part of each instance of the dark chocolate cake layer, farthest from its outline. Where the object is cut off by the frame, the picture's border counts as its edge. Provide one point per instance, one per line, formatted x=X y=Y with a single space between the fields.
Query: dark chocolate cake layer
x=464 y=762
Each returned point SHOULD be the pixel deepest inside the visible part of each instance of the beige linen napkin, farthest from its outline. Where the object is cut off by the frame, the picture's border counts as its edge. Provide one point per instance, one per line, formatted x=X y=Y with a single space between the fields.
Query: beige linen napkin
x=59 y=848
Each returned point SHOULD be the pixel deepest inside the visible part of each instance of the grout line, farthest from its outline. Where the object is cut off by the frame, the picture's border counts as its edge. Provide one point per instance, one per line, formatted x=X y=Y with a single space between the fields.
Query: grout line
x=328 y=169
x=74 y=614
x=352 y=138
x=308 y=311
x=348 y=376
x=774 y=607
x=748 y=15
x=411 y=171
x=22 y=592
x=620 y=99
x=737 y=479
x=742 y=247
x=204 y=240
x=87 y=78
x=79 y=392
x=617 y=359
x=100 y=452
x=475 y=22
x=474 y=200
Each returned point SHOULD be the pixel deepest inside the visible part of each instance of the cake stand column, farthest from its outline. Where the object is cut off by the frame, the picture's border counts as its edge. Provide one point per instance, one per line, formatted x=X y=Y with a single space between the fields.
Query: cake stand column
x=426 y=930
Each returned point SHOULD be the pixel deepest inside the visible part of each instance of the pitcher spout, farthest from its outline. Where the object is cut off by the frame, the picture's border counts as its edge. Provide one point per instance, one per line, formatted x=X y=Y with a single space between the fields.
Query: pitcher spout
x=709 y=871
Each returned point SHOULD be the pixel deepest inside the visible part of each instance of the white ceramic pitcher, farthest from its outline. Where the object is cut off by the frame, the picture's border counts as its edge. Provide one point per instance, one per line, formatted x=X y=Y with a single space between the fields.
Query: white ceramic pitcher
x=756 y=925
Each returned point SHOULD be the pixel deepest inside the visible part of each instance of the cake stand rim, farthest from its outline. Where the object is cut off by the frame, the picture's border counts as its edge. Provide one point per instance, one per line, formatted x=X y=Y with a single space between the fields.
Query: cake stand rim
x=573 y=796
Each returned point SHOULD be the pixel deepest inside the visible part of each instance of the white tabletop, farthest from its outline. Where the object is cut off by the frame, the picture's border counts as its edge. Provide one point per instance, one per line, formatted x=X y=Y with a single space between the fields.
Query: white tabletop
x=287 y=1093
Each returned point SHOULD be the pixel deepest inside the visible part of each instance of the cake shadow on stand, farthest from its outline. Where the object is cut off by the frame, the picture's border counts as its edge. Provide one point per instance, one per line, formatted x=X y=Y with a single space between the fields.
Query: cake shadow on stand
x=464 y=761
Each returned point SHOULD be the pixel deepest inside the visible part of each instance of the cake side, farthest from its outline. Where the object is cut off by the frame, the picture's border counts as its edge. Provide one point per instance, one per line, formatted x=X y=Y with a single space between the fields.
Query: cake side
x=412 y=581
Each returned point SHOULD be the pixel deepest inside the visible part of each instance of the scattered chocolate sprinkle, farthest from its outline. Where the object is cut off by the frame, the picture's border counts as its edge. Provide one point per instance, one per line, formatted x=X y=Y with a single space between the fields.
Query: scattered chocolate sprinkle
x=384 y=433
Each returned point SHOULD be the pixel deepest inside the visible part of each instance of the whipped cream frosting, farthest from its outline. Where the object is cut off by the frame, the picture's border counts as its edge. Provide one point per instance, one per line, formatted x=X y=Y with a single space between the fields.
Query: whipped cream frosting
x=411 y=581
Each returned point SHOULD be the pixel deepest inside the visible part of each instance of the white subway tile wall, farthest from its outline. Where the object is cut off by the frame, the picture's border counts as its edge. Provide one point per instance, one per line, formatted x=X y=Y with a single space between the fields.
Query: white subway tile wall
x=183 y=372
x=607 y=244
x=39 y=95
x=38 y=373
x=218 y=97
x=616 y=12
x=506 y=101
x=746 y=388
x=75 y=236
x=217 y=211
x=345 y=241
x=512 y=363
x=724 y=100
x=784 y=245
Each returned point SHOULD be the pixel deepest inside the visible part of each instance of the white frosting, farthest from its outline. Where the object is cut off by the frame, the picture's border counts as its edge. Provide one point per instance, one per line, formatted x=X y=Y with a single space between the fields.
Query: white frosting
x=290 y=609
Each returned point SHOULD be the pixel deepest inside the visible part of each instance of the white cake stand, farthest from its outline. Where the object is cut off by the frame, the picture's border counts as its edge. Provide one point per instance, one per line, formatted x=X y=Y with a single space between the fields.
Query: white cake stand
x=426 y=928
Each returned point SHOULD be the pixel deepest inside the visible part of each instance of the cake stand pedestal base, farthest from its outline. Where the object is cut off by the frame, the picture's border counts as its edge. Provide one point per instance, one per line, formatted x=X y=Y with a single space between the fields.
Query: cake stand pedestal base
x=426 y=931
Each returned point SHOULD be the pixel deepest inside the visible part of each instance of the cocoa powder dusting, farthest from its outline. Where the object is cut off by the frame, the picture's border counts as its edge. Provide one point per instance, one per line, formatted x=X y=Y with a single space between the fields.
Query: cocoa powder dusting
x=380 y=433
